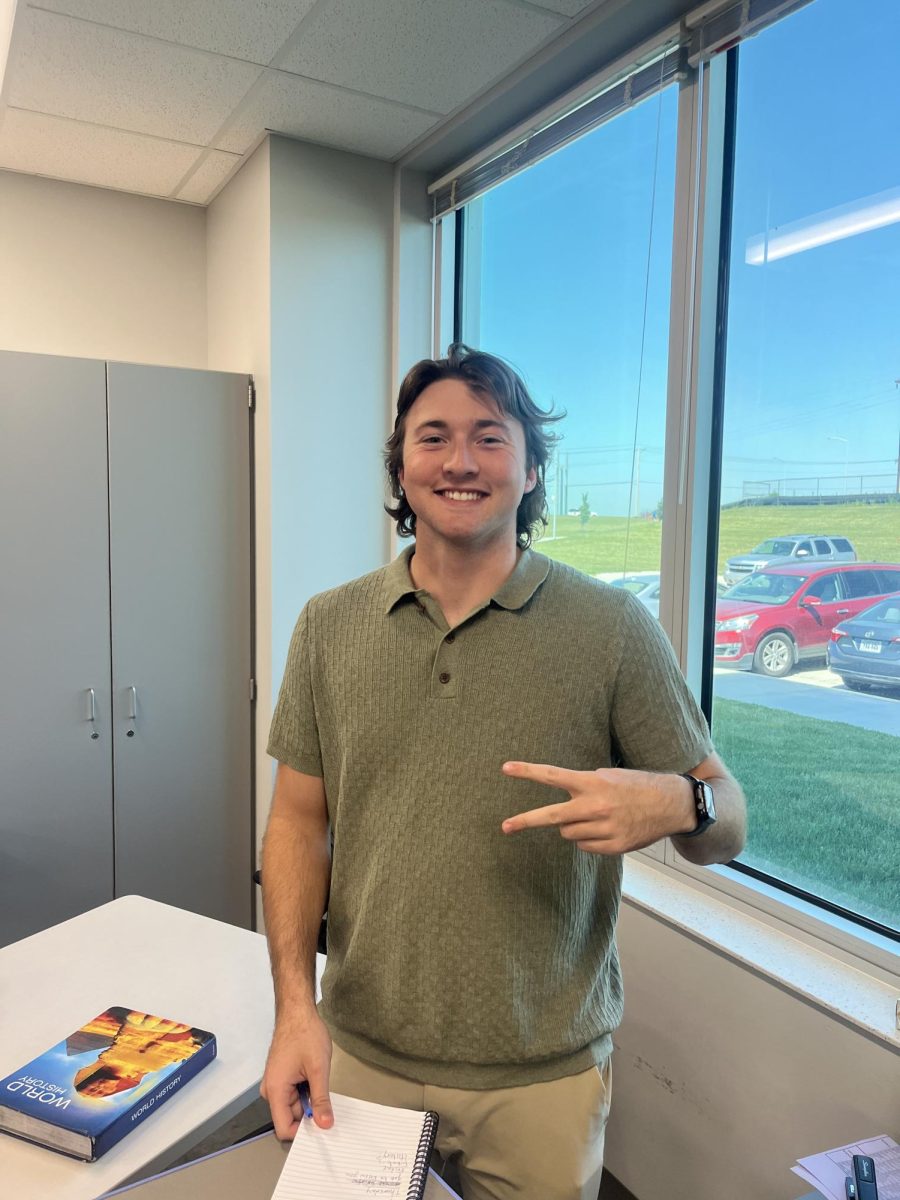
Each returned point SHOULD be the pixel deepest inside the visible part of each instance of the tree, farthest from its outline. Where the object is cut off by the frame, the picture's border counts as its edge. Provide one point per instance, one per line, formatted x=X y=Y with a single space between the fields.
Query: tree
x=584 y=510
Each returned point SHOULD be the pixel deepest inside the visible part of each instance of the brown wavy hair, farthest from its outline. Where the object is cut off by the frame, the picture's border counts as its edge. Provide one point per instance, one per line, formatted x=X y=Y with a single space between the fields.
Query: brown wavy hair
x=487 y=376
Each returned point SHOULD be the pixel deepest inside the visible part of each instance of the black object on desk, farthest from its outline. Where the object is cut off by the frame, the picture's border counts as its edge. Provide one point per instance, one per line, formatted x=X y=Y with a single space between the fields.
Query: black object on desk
x=862 y=1185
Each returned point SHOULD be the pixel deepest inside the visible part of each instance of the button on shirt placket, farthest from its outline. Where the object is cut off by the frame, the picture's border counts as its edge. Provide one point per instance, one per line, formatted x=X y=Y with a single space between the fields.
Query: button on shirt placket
x=445 y=671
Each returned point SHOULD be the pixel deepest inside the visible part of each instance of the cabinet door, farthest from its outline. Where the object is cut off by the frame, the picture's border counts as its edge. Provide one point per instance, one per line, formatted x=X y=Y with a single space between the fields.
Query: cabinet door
x=181 y=588
x=56 y=855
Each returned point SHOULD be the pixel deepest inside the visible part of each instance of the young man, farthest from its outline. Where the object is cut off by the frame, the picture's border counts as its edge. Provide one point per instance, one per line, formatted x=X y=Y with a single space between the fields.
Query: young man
x=482 y=733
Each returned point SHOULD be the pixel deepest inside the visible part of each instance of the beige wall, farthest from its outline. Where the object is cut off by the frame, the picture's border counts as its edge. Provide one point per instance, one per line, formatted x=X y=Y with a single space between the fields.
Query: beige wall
x=100 y=274
x=238 y=229
x=722 y=1079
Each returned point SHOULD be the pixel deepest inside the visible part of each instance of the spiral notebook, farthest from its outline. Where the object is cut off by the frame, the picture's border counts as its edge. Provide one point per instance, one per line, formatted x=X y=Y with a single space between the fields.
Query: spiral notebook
x=371 y=1150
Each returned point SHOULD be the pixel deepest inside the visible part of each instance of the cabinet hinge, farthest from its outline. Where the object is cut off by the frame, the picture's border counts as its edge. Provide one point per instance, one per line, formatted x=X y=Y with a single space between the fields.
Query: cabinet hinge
x=251 y=394
x=252 y=689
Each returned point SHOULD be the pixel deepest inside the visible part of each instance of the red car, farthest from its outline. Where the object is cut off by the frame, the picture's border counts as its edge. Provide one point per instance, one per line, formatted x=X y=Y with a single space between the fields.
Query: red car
x=778 y=616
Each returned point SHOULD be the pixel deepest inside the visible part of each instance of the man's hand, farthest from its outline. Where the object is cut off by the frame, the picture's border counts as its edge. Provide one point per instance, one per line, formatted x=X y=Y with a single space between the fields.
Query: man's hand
x=611 y=811
x=300 y=1052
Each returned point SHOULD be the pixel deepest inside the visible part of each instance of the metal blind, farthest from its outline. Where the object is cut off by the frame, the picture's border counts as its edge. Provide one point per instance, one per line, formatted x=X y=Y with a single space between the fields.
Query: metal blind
x=713 y=27
x=721 y=28
x=537 y=144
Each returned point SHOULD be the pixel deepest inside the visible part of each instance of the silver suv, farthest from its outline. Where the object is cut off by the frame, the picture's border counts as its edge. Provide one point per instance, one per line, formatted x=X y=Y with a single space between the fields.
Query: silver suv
x=791 y=549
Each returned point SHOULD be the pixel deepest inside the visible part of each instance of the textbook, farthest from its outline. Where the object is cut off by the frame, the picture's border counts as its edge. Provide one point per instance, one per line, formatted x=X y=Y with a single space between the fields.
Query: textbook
x=83 y=1095
x=371 y=1150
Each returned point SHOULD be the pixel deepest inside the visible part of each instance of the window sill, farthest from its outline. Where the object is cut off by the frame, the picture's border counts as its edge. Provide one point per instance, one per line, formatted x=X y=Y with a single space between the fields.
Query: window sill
x=758 y=943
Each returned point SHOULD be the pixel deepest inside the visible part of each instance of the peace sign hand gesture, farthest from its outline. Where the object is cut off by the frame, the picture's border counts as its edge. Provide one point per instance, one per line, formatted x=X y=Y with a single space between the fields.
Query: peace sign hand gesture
x=611 y=811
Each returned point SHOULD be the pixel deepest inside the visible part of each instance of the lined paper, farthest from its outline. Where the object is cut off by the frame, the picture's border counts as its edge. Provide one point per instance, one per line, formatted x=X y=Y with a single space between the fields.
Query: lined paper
x=369 y=1151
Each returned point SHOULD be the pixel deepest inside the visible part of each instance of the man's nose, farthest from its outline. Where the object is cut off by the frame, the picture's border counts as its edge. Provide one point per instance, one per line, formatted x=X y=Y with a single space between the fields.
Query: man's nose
x=460 y=460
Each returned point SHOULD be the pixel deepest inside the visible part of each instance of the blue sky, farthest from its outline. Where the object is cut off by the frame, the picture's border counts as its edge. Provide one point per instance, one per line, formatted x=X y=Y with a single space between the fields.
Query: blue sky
x=576 y=269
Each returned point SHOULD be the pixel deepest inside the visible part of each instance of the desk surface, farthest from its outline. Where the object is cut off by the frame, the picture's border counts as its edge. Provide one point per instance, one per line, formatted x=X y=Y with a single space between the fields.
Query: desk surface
x=152 y=957
x=248 y=1171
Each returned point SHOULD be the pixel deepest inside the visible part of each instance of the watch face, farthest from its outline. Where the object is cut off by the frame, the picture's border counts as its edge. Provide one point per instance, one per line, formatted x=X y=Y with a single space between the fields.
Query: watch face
x=707 y=800
x=704 y=804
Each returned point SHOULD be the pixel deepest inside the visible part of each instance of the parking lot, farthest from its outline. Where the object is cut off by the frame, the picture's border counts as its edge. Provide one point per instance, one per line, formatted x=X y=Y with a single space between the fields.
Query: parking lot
x=812 y=692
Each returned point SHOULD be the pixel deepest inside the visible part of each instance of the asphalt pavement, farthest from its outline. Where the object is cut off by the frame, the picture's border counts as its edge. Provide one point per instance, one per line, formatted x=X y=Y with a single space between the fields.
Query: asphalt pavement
x=812 y=692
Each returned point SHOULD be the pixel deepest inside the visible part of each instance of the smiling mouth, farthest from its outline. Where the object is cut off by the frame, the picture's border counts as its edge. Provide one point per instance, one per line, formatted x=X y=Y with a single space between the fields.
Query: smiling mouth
x=464 y=497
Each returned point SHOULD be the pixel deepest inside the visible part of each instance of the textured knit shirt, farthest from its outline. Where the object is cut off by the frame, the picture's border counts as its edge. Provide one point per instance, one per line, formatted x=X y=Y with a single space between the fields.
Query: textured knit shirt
x=458 y=955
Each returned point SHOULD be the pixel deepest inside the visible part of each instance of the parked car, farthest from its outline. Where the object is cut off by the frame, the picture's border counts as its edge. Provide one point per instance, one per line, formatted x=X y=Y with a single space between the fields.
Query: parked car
x=777 y=617
x=865 y=650
x=787 y=550
x=644 y=585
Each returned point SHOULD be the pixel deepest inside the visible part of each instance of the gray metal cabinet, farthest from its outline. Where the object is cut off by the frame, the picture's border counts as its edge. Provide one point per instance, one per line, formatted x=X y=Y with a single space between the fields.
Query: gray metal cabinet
x=125 y=639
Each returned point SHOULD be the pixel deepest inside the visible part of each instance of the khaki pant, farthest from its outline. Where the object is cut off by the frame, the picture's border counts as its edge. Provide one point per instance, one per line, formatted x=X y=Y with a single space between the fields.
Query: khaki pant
x=543 y=1141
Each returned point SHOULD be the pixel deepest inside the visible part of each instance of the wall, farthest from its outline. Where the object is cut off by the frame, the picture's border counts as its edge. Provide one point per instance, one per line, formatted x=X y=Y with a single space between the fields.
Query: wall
x=239 y=323
x=331 y=256
x=721 y=1079
x=101 y=274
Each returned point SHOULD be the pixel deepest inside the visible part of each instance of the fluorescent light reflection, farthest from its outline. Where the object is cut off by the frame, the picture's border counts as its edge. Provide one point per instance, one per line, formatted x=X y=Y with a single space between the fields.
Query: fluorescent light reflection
x=871 y=212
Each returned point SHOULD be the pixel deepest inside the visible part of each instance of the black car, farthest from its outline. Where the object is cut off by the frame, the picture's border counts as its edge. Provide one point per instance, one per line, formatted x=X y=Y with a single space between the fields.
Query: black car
x=865 y=650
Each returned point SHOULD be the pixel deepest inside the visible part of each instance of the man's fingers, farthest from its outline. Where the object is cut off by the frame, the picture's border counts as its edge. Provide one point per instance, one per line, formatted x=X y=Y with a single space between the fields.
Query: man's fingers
x=320 y=1097
x=285 y=1109
x=558 y=777
x=537 y=818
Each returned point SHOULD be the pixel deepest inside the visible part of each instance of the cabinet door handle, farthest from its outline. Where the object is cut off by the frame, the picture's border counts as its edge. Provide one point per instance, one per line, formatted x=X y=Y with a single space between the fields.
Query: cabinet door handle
x=92 y=714
x=132 y=703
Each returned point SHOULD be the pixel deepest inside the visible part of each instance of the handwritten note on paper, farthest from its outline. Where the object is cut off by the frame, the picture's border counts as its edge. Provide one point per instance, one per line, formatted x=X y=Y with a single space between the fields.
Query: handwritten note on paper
x=369 y=1151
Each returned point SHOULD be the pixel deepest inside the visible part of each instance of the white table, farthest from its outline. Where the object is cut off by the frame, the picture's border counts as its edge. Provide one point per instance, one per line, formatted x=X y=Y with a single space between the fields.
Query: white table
x=158 y=959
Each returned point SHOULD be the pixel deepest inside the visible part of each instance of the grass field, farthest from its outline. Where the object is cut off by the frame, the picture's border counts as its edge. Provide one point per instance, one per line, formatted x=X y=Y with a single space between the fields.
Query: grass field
x=600 y=545
x=822 y=799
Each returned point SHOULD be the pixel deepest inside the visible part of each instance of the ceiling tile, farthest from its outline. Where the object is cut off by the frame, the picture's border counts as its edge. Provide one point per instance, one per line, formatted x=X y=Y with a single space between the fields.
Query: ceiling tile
x=434 y=54
x=568 y=8
x=233 y=27
x=320 y=113
x=75 y=69
x=61 y=149
x=208 y=177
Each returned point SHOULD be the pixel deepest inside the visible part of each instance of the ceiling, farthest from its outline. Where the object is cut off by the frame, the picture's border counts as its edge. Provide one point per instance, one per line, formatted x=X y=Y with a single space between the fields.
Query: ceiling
x=166 y=98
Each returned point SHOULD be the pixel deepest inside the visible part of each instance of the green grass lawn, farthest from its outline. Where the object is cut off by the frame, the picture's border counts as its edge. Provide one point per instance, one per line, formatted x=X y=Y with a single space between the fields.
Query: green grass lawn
x=823 y=801
x=600 y=545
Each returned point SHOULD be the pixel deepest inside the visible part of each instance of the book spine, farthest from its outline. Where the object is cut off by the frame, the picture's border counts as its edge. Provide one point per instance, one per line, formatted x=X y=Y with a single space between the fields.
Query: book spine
x=148 y=1104
x=419 y=1176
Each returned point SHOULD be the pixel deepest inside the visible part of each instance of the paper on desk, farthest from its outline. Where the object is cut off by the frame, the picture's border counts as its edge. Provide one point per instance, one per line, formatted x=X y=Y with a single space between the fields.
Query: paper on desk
x=369 y=1151
x=827 y=1171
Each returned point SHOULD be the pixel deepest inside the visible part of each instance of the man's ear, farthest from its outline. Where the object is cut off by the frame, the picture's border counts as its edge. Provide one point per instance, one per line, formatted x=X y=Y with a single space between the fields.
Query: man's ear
x=530 y=480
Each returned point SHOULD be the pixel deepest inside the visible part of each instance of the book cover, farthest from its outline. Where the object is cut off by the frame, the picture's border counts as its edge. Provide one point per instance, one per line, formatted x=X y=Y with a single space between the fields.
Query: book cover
x=88 y=1091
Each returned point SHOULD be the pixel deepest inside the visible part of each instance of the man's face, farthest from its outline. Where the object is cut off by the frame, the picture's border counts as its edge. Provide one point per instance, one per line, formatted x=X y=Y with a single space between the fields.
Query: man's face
x=464 y=466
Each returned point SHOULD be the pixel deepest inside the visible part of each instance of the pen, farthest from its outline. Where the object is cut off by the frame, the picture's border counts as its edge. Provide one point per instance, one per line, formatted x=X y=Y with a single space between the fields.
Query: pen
x=304 y=1099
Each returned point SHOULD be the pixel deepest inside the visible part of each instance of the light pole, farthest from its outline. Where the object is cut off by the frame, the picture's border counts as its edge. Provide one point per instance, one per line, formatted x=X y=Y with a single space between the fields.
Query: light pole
x=835 y=438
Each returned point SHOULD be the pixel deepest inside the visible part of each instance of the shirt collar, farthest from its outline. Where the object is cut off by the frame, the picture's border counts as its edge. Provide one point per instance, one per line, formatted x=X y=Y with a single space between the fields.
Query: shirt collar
x=529 y=573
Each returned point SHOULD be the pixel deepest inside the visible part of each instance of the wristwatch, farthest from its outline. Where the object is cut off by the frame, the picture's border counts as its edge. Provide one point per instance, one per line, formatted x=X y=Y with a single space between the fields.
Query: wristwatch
x=704 y=805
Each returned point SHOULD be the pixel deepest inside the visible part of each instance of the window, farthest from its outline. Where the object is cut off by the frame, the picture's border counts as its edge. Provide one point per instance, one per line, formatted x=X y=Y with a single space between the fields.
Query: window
x=570 y=269
x=825 y=589
x=811 y=417
x=566 y=274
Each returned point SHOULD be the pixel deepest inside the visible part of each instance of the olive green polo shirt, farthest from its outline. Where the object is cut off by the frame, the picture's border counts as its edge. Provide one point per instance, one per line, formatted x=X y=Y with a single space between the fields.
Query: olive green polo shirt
x=457 y=955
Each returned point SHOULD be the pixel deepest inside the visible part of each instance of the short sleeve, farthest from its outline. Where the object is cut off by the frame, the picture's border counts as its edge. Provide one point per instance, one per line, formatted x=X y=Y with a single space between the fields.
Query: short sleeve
x=656 y=722
x=294 y=734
